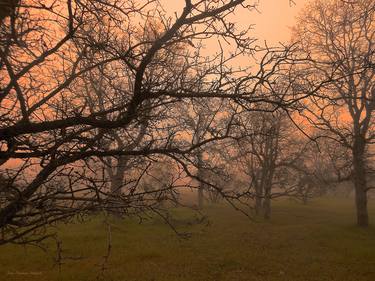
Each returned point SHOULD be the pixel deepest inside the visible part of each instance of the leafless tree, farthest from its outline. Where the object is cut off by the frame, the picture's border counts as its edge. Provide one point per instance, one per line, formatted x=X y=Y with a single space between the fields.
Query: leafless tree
x=88 y=80
x=338 y=36
x=205 y=119
x=270 y=154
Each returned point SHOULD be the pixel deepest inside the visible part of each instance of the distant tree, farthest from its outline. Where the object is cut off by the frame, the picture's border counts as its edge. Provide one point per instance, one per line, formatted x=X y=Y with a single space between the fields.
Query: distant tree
x=270 y=154
x=57 y=132
x=338 y=37
x=205 y=119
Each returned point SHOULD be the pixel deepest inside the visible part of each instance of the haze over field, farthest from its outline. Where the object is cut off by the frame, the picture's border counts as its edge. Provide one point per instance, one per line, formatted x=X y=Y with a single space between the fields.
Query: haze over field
x=187 y=140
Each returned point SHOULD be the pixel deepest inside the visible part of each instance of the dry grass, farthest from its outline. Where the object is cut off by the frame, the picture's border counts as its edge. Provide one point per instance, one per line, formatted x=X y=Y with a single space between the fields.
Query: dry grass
x=315 y=242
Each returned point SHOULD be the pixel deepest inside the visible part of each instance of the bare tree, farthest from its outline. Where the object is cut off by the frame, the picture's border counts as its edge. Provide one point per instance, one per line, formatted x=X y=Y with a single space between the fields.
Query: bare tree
x=339 y=38
x=88 y=80
x=322 y=167
x=270 y=154
x=205 y=118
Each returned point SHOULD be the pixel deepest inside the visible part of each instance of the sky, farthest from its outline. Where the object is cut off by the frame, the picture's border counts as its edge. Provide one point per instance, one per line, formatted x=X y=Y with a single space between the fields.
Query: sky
x=272 y=21
x=275 y=18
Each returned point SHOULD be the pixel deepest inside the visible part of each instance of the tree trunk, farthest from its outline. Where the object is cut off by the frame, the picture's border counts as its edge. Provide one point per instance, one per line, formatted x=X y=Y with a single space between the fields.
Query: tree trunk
x=305 y=199
x=118 y=178
x=258 y=200
x=306 y=192
x=361 y=205
x=7 y=8
x=117 y=181
x=267 y=204
x=267 y=187
x=201 y=185
x=200 y=197
x=360 y=183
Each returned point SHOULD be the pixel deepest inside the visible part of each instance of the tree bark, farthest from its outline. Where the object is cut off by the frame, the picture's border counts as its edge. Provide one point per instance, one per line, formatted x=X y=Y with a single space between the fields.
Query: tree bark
x=201 y=185
x=258 y=199
x=118 y=178
x=360 y=183
x=7 y=8
x=267 y=203
x=117 y=181
x=200 y=196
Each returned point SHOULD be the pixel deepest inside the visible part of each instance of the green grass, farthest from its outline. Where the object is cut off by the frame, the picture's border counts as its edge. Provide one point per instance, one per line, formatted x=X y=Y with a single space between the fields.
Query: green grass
x=314 y=242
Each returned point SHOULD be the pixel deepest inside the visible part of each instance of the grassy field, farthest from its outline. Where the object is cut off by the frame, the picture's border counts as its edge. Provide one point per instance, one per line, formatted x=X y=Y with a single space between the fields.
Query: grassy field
x=314 y=242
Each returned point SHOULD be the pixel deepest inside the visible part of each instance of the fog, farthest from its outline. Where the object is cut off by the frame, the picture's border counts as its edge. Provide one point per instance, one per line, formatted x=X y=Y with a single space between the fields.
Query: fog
x=187 y=140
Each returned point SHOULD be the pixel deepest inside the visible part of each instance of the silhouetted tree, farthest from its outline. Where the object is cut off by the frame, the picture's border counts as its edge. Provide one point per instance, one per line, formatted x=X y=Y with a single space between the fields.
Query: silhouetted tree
x=270 y=154
x=87 y=80
x=338 y=37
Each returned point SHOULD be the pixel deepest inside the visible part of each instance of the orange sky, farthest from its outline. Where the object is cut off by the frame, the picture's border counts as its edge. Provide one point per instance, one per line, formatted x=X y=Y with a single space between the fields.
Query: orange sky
x=272 y=20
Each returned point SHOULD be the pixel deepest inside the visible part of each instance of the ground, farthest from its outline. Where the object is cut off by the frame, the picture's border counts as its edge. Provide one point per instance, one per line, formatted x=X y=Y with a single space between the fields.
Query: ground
x=315 y=242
